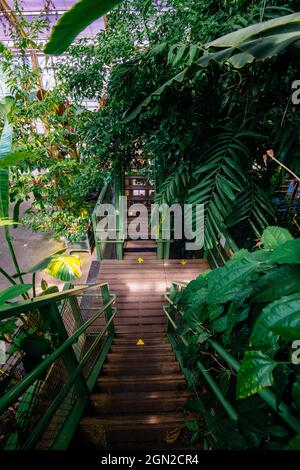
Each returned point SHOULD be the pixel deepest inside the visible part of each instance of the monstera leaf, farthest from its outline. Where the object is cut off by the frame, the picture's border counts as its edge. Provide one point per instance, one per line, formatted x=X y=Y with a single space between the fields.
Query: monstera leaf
x=74 y=21
x=65 y=268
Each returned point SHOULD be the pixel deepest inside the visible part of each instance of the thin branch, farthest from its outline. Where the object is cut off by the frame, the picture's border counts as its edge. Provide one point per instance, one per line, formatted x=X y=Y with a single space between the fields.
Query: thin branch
x=270 y=154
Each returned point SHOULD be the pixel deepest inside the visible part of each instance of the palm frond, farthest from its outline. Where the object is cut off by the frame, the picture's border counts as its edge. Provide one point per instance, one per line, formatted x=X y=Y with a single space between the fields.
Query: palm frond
x=175 y=184
x=252 y=205
x=220 y=178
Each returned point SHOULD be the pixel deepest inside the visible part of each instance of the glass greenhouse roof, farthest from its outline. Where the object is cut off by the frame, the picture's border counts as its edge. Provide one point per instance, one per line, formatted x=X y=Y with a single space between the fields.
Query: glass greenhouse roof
x=53 y=9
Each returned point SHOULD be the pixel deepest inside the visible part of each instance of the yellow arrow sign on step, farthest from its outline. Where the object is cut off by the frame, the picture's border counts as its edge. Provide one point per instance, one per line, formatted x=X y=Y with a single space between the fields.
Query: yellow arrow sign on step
x=140 y=342
x=140 y=260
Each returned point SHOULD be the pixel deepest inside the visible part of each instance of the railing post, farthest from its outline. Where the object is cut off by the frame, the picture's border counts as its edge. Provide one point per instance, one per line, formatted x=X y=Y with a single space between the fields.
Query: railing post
x=106 y=297
x=68 y=357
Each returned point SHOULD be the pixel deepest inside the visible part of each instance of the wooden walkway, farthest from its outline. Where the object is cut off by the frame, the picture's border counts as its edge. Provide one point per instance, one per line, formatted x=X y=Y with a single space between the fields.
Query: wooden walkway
x=140 y=395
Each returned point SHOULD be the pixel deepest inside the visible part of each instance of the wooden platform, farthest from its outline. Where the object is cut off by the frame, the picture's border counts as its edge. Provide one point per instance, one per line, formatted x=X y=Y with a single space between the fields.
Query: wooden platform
x=141 y=393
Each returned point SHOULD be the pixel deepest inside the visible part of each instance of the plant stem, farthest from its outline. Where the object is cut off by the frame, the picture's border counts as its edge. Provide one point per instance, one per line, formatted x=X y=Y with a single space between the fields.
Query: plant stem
x=33 y=284
x=283 y=166
x=7 y=276
x=12 y=253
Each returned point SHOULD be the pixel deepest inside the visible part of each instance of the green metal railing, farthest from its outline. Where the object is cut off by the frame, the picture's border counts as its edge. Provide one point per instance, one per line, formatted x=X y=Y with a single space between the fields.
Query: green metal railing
x=172 y=313
x=106 y=196
x=43 y=409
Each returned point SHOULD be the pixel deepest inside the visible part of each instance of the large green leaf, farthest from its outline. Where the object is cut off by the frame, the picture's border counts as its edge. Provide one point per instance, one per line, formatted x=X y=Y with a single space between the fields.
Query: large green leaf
x=273 y=237
x=289 y=325
x=294 y=443
x=76 y=20
x=259 y=42
x=282 y=280
x=288 y=252
x=283 y=24
x=225 y=283
x=13 y=291
x=65 y=268
x=281 y=317
x=255 y=374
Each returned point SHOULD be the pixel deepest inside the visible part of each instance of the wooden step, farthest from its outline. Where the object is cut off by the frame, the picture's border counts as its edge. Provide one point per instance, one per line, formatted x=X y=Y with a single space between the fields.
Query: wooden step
x=141 y=384
x=131 y=357
x=131 y=421
x=124 y=311
x=141 y=367
x=105 y=403
x=153 y=306
x=133 y=428
x=139 y=330
x=138 y=320
x=150 y=340
x=161 y=350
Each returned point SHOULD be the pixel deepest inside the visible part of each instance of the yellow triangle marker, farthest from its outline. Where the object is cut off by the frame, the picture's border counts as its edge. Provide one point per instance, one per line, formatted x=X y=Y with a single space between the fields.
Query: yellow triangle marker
x=140 y=260
x=140 y=342
x=184 y=262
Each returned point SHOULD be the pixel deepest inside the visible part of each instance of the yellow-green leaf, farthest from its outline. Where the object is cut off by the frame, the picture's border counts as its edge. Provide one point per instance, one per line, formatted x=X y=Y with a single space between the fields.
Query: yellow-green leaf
x=64 y=268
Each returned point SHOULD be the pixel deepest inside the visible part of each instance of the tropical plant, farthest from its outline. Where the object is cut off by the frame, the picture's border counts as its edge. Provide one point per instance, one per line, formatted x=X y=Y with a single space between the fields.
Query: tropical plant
x=8 y=158
x=247 y=312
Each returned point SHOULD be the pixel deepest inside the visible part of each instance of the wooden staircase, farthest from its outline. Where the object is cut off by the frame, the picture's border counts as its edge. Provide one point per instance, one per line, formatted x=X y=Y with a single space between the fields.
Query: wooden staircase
x=141 y=394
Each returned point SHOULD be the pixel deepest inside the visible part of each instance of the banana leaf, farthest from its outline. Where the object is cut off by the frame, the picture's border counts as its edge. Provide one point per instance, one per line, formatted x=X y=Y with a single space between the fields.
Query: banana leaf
x=76 y=20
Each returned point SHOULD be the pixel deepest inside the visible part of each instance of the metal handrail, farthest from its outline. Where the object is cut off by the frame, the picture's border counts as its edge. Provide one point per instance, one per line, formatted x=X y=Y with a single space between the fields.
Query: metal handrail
x=66 y=388
x=73 y=365
x=13 y=394
x=17 y=308
x=283 y=410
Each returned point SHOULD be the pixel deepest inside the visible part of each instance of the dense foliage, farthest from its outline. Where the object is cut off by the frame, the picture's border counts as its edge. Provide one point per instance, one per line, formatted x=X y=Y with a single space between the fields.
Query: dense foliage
x=251 y=307
x=217 y=117
x=59 y=183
